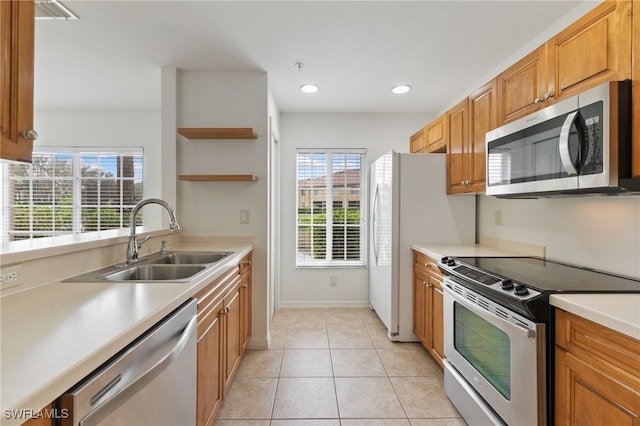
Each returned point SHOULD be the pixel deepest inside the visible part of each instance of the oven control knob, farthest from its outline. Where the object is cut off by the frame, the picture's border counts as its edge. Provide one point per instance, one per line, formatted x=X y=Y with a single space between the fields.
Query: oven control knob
x=451 y=262
x=507 y=284
x=444 y=259
x=521 y=290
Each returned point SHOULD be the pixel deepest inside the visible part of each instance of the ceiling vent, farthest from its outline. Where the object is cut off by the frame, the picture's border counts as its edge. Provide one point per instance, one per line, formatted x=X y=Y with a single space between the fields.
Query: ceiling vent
x=52 y=9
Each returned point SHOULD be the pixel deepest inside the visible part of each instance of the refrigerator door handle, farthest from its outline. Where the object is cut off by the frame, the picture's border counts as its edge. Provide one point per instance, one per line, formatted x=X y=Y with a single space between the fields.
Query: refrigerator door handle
x=375 y=226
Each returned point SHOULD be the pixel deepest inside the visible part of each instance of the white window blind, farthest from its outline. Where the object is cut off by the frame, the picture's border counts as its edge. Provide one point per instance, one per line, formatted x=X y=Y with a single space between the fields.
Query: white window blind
x=70 y=190
x=330 y=208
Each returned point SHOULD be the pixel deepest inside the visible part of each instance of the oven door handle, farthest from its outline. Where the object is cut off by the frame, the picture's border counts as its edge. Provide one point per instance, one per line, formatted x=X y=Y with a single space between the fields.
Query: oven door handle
x=563 y=144
x=489 y=316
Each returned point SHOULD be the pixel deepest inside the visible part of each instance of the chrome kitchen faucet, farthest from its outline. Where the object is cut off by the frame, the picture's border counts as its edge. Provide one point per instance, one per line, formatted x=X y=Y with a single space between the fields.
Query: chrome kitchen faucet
x=134 y=246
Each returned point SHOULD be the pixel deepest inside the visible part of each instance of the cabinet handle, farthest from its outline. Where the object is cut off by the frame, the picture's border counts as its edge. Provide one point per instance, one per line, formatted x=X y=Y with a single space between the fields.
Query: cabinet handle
x=245 y=286
x=548 y=95
x=537 y=100
x=32 y=135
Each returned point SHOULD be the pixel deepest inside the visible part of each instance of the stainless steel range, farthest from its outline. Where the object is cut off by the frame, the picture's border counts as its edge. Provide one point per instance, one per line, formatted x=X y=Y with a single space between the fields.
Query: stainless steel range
x=499 y=333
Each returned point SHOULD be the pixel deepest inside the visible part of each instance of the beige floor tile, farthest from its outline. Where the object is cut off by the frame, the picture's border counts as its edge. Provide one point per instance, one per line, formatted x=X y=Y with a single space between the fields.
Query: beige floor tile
x=306 y=339
x=375 y=422
x=277 y=338
x=305 y=398
x=303 y=422
x=414 y=391
x=241 y=423
x=349 y=339
x=249 y=398
x=408 y=359
x=261 y=363
x=345 y=319
x=379 y=337
x=367 y=397
x=356 y=363
x=438 y=422
x=306 y=363
x=305 y=318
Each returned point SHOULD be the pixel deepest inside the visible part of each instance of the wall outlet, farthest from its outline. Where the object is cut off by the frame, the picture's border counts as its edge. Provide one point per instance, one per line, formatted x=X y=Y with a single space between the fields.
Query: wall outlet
x=10 y=276
x=244 y=216
x=497 y=217
x=333 y=281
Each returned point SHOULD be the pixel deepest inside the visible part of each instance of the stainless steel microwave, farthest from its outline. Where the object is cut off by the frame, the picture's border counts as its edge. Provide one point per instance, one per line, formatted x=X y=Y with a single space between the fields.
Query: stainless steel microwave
x=578 y=146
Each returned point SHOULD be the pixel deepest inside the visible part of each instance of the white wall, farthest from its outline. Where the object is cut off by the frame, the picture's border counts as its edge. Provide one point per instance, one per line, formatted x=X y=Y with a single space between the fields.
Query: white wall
x=378 y=133
x=598 y=232
x=227 y=99
x=108 y=128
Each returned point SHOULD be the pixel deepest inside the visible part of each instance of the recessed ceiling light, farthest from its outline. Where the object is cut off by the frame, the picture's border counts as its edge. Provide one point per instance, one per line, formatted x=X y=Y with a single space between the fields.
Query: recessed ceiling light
x=309 y=88
x=403 y=88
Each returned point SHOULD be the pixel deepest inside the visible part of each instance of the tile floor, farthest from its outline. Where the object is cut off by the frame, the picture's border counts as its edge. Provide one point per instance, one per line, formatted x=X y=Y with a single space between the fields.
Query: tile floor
x=333 y=367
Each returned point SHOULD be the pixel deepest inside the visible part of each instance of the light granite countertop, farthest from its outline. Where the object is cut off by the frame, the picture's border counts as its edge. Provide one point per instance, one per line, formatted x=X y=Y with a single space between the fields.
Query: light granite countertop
x=56 y=334
x=620 y=312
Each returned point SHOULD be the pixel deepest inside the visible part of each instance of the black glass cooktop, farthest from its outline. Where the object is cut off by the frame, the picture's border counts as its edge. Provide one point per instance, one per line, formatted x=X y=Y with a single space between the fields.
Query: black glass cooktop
x=554 y=277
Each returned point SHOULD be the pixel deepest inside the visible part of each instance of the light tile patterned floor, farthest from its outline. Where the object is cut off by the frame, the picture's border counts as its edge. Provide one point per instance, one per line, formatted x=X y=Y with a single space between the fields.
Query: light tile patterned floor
x=336 y=367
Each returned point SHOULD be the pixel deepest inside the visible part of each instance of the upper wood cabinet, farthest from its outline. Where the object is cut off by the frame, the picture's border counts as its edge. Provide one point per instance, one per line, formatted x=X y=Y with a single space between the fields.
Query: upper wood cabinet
x=521 y=87
x=458 y=148
x=431 y=138
x=17 y=23
x=636 y=90
x=483 y=113
x=594 y=49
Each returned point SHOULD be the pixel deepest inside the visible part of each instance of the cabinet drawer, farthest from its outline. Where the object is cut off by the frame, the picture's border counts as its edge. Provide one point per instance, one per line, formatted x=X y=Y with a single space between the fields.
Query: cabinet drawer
x=427 y=264
x=589 y=340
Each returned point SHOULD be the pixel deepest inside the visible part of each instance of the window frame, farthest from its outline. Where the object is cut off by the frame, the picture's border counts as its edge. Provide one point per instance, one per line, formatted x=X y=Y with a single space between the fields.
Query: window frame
x=328 y=203
x=76 y=179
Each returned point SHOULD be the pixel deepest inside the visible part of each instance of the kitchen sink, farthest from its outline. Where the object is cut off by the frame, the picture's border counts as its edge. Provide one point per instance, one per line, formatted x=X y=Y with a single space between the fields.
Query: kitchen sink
x=176 y=266
x=191 y=258
x=153 y=272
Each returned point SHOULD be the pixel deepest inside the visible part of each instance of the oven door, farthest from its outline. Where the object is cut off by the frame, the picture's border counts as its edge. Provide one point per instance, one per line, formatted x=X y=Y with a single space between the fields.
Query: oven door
x=495 y=354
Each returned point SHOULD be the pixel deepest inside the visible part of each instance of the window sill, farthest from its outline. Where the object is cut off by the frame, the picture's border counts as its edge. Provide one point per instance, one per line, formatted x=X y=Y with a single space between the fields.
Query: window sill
x=26 y=250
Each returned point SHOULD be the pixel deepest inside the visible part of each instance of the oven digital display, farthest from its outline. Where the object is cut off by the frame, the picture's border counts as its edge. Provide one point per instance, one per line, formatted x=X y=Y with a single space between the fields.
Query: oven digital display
x=484 y=346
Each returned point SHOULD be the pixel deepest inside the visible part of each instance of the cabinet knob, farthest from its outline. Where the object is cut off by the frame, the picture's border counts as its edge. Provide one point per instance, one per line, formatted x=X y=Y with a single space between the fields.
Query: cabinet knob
x=537 y=100
x=32 y=135
x=548 y=95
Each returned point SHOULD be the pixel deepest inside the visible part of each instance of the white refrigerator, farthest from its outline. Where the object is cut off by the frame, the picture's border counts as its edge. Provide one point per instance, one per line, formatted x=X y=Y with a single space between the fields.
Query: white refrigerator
x=409 y=205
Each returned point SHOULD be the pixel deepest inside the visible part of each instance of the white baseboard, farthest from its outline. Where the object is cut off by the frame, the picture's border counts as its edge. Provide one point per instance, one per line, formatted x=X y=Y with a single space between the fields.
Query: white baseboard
x=323 y=304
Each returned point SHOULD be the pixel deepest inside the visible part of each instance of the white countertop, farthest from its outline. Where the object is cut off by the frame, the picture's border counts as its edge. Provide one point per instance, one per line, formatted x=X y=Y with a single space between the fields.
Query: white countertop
x=56 y=334
x=620 y=312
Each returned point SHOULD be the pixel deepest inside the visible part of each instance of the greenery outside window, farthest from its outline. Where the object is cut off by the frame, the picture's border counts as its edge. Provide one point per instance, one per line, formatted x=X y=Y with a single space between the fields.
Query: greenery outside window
x=330 y=198
x=70 y=191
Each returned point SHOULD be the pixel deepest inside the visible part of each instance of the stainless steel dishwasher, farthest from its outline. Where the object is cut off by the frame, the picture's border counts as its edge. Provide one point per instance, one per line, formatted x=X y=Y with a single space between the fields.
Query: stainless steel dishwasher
x=150 y=382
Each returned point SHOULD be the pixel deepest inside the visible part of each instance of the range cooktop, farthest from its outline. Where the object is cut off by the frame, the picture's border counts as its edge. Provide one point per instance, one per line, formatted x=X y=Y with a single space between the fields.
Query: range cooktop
x=548 y=276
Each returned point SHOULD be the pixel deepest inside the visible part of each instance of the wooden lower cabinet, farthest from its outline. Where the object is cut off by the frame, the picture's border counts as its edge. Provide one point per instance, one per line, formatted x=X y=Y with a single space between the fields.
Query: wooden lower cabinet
x=428 y=305
x=222 y=338
x=597 y=374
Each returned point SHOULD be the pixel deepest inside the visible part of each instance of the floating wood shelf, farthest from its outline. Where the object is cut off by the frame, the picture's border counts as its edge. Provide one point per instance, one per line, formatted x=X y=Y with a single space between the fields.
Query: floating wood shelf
x=218 y=178
x=218 y=133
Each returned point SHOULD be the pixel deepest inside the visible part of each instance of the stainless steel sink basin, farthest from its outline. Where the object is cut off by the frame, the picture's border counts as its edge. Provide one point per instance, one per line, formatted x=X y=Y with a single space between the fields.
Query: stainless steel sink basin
x=153 y=272
x=191 y=258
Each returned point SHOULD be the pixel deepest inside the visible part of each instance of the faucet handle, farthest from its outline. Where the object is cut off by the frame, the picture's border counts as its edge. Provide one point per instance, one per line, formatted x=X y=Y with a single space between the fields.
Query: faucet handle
x=163 y=247
x=144 y=241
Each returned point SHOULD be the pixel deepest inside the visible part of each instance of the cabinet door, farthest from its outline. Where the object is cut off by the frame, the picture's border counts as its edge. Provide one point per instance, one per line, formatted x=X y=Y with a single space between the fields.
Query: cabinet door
x=232 y=320
x=245 y=303
x=457 y=148
x=437 y=321
x=420 y=282
x=17 y=22
x=209 y=386
x=482 y=118
x=594 y=49
x=589 y=393
x=436 y=135
x=416 y=142
x=522 y=86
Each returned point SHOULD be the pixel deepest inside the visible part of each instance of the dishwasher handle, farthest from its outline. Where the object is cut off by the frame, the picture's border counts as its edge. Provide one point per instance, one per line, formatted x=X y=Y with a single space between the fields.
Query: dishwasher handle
x=131 y=386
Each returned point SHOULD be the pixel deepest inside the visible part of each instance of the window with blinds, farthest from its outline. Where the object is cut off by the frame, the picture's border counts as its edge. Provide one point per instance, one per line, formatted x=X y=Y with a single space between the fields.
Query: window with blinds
x=331 y=208
x=67 y=191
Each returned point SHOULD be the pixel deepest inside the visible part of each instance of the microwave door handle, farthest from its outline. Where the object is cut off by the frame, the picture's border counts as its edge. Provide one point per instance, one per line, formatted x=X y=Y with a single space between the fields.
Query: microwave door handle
x=563 y=144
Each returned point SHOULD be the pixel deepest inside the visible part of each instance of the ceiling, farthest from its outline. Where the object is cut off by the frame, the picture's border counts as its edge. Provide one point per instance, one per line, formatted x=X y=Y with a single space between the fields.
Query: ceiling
x=354 y=50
